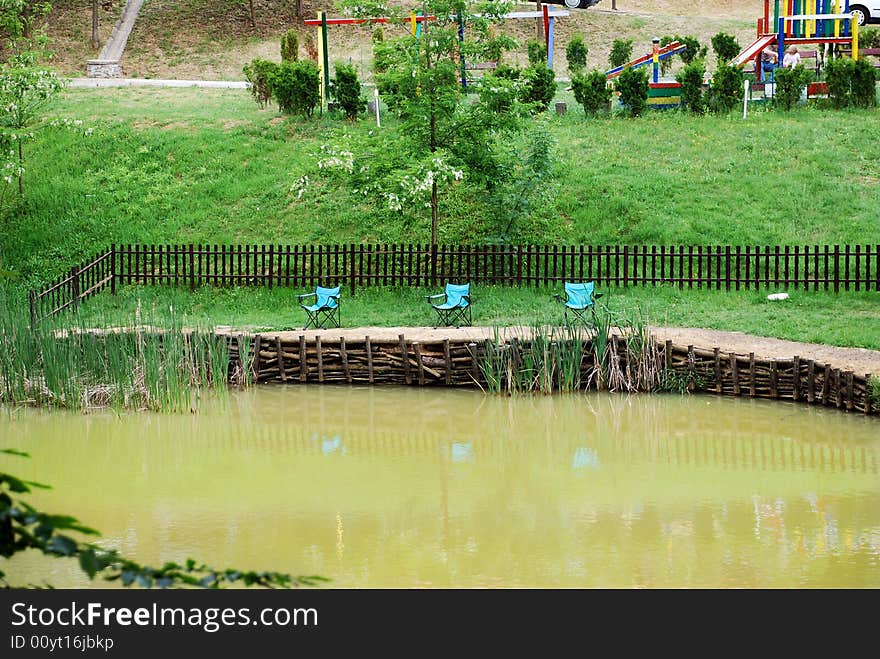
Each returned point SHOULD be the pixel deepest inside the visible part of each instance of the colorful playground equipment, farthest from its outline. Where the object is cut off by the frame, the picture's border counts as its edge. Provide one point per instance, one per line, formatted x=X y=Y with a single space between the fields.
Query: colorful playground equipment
x=416 y=21
x=661 y=95
x=801 y=22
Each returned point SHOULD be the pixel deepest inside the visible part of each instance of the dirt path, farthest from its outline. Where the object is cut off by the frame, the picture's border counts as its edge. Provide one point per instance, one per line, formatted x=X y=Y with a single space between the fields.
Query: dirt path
x=857 y=360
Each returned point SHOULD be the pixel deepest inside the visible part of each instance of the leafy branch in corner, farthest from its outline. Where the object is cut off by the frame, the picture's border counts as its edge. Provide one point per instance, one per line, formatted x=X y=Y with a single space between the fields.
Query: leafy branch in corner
x=23 y=527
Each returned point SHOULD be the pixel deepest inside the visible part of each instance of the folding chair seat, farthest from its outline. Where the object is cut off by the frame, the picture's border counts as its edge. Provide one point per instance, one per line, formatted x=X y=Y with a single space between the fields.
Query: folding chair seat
x=455 y=309
x=579 y=299
x=326 y=310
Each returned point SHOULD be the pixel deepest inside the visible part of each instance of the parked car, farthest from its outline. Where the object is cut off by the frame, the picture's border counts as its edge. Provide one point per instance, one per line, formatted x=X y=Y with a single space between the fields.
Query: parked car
x=866 y=11
x=572 y=4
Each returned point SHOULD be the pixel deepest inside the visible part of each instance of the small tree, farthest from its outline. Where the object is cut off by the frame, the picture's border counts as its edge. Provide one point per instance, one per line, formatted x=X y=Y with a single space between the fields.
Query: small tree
x=538 y=87
x=24 y=92
x=576 y=54
x=694 y=50
x=289 y=46
x=666 y=64
x=259 y=73
x=726 y=47
x=632 y=84
x=592 y=92
x=296 y=87
x=726 y=90
x=691 y=80
x=621 y=52
x=346 y=90
x=790 y=84
x=864 y=89
x=537 y=51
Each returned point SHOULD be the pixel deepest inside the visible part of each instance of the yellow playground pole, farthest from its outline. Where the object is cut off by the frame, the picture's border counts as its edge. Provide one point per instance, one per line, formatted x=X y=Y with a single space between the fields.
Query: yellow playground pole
x=837 y=20
x=811 y=24
x=783 y=12
x=855 y=39
x=412 y=21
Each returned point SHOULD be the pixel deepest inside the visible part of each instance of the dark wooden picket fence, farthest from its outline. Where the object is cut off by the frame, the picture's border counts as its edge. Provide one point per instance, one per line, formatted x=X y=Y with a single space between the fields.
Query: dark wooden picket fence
x=749 y=267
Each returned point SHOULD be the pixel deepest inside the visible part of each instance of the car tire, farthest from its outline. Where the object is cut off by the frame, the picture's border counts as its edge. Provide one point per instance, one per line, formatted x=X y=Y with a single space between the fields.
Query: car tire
x=859 y=14
x=572 y=4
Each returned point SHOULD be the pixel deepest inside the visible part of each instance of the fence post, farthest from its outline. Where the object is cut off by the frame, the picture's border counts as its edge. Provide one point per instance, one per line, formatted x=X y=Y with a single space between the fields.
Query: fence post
x=433 y=266
x=271 y=262
x=192 y=273
x=113 y=269
x=837 y=268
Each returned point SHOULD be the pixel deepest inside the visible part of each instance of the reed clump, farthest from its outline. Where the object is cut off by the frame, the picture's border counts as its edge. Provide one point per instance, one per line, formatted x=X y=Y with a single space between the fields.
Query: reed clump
x=613 y=352
x=157 y=365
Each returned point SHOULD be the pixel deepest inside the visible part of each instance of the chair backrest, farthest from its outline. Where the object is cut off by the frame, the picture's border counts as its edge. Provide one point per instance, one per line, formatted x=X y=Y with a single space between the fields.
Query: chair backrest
x=580 y=294
x=455 y=294
x=324 y=296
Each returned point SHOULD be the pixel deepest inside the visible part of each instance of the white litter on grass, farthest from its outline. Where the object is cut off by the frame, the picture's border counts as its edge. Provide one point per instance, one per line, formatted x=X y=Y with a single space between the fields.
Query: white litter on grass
x=778 y=296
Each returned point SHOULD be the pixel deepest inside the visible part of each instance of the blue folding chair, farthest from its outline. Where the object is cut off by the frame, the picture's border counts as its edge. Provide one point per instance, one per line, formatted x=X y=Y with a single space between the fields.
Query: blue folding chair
x=326 y=311
x=579 y=298
x=456 y=306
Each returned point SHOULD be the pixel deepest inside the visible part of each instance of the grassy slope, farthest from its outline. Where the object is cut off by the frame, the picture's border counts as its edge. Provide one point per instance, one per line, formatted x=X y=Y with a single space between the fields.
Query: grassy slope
x=209 y=166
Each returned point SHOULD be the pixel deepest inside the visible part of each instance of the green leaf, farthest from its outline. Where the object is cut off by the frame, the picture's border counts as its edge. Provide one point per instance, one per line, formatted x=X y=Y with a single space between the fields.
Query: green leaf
x=89 y=562
x=61 y=544
x=12 y=451
x=128 y=577
x=14 y=484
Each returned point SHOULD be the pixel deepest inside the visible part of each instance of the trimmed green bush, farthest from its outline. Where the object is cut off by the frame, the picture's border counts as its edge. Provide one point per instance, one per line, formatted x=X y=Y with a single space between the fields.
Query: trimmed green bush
x=576 y=54
x=259 y=73
x=726 y=90
x=537 y=52
x=289 y=46
x=538 y=88
x=790 y=84
x=726 y=47
x=621 y=52
x=851 y=83
x=864 y=89
x=695 y=50
x=346 y=90
x=296 y=87
x=592 y=92
x=691 y=80
x=633 y=87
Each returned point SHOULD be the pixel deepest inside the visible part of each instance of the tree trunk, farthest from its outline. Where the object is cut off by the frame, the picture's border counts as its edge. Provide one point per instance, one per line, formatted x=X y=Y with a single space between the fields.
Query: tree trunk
x=435 y=213
x=299 y=9
x=540 y=21
x=95 y=42
x=253 y=15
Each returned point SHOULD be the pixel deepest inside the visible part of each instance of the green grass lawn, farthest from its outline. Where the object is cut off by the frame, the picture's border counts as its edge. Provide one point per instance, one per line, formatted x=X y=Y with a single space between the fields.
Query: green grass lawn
x=204 y=165
x=851 y=319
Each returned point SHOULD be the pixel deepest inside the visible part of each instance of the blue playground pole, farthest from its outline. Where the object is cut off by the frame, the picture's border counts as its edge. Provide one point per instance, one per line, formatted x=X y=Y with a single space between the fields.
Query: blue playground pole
x=780 y=40
x=847 y=25
x=550 y=44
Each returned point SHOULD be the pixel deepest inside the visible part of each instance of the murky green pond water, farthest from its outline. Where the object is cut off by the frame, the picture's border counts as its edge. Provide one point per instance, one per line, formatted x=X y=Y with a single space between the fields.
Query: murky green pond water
x=425 y=487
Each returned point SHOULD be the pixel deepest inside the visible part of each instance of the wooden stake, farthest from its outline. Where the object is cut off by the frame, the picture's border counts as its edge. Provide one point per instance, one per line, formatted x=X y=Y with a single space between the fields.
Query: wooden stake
x=849 y=391
x=343 y=353
x=796 y=380
x=280 y=354
x=826 y=384
x=667 y=353
x=421 y=366
x=774 y=379
x=448 y=361
x=407 y=377
x=734 y=369
x=717 y=371
x=319 y=352
x=303 y=364
x=256 y=361
x=811 y=381
x=867 y=408
x=369 y=348
x=475 y=367
x=752 y=374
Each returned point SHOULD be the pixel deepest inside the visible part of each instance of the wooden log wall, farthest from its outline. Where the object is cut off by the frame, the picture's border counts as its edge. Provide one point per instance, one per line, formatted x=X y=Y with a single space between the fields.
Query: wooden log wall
x=457 y=363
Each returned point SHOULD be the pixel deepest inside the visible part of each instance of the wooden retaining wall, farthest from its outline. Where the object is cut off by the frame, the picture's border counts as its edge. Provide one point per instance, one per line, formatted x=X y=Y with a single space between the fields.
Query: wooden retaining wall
x=324 y=360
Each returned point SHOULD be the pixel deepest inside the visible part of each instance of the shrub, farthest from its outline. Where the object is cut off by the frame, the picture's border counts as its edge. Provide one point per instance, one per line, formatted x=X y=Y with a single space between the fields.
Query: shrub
x=633 y=87
x=498 y=93
x=725 y=46
x=259 y=73
x=726 y=90
x=790 y=84
x=592 y=92
x=346 y=90
x=694 y=50
x=666 y=64
x=538 y=88
x=869 y=37
x=576 y=54
x=851 y=83
x=537 y=52
x=691 y=80
x=507 y=72
x=296 y=87
x=311 y=47
x=378 y=35
x=864 y=93
x=621 y=52
x=289 y=46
